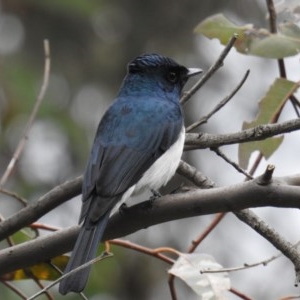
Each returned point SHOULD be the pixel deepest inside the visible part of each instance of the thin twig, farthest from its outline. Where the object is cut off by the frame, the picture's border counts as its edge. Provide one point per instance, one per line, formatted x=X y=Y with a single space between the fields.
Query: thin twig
x=239 y=294
x=152 y=252
x=14 y=289
x=256 y=163
x=273 y=237
x=219 y=105
x=290 y=297
x=293 y=99
x=157 y=252
x=40 y=285
x=59 y=271
x=235 y=165
x=218 y=64
x=171 y=282
x=47 y=227
x=273 y=29
x=14 y=195
x=195 y=243
x=272 y=16
x=245 y=266
x=32 y=117
x=89 y=263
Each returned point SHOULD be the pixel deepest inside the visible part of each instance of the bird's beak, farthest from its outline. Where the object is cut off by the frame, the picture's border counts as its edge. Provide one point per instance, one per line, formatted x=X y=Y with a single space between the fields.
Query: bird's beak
x=194 y=71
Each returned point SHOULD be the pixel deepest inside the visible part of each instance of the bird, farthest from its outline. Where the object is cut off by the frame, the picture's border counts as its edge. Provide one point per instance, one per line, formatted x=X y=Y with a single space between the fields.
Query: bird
x=138 y=145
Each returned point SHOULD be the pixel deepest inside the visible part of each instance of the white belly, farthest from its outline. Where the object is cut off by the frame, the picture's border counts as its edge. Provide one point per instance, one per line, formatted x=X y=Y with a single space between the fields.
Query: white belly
x=160 y=172
x=164 y=167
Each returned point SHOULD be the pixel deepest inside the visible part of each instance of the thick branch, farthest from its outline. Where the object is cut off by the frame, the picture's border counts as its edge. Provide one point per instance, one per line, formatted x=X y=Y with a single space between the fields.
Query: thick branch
x=145 y=214
x=46 y=203
x=67 y=191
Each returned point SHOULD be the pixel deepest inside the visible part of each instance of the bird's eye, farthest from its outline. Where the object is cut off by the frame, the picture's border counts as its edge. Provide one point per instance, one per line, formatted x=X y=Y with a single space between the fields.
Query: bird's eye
x=172 y=77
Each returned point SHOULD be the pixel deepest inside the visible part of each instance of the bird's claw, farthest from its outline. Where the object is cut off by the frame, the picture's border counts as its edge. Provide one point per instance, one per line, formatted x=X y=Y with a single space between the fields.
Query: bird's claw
x=122 y=209
x=155 y=195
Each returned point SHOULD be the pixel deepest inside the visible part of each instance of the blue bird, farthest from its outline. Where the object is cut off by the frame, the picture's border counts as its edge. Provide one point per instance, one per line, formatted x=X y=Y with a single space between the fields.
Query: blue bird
x=138 y=145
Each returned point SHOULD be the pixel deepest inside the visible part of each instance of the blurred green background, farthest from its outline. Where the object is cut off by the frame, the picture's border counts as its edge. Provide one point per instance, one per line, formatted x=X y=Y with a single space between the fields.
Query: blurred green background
x=91 y=42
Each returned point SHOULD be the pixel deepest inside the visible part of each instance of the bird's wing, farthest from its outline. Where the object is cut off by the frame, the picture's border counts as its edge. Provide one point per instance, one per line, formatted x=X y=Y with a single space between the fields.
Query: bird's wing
x=129 y=139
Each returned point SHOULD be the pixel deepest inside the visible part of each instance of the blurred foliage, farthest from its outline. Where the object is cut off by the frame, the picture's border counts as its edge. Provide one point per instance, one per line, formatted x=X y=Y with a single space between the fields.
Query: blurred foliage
x=41 y=271
x=251 y=40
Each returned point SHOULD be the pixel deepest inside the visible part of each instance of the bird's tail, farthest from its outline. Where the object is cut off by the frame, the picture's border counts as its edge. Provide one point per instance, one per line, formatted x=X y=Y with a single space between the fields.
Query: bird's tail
x=84 y=250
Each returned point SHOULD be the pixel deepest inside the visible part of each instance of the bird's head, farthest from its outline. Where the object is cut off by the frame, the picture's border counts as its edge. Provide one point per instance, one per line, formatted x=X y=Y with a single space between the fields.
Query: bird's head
x=154 y=72
x=163 y=67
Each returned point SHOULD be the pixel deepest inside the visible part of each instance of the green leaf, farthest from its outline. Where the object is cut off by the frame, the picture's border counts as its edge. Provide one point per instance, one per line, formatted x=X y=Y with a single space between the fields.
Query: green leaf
x=218 y=26
x=253 y=41
x=267 y=148
x=269 y=106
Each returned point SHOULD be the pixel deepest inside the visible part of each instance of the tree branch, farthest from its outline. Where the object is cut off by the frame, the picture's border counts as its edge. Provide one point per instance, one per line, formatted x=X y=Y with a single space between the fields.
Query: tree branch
x=192 y=174
x=46 y=203
x=273 y=237
x=149 y=213
x=261 y=132
x=70 y=189
x=231 y=162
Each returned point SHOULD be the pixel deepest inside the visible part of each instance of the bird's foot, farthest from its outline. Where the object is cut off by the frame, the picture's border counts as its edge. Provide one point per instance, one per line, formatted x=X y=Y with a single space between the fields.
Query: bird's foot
x=122 y=209
x=155 y=194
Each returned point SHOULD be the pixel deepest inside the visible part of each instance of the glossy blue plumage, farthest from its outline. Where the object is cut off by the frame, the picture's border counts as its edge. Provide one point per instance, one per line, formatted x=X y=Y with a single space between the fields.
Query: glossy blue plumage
x=130 y=150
